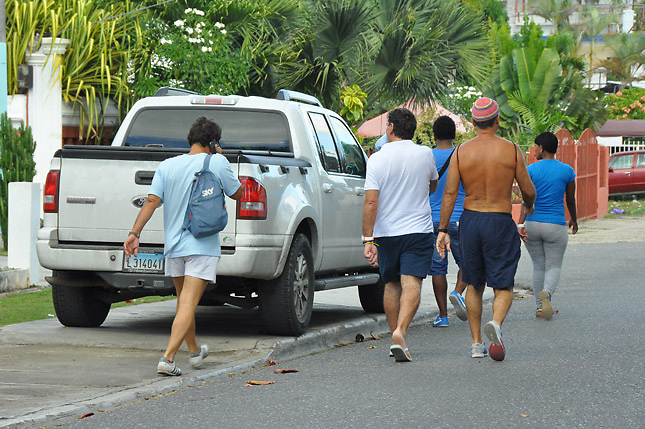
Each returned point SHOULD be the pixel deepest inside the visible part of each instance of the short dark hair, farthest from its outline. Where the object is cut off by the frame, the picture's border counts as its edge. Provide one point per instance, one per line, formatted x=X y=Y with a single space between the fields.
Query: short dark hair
x=403 y=121
x=548 y=141
x=444 y=128
x=204 y=131
x=486 y=124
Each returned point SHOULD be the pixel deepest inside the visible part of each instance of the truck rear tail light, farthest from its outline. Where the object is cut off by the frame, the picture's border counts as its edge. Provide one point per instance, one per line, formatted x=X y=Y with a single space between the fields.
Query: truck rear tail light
x=50 y=194
x=253 y=204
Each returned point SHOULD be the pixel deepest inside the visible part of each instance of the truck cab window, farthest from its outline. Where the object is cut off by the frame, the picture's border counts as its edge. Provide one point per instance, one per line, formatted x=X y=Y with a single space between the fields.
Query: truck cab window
x=325 y=142
x=352 y=151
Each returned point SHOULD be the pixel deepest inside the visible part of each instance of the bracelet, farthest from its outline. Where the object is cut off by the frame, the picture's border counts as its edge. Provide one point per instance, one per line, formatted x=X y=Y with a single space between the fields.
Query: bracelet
x=136 y=234
x=521 y=225
x=444 y=230
x=366 y=238
x=370 y=242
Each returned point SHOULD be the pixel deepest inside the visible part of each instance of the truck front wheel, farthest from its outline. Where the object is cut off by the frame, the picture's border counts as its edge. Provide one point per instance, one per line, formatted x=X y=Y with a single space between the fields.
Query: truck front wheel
x=79 y=306
x=286 y=302
x=371 y=297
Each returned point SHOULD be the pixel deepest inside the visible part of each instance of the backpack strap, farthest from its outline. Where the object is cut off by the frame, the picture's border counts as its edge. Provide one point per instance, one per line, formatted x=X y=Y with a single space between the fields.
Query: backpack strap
x=445 y=165
x=206 y=166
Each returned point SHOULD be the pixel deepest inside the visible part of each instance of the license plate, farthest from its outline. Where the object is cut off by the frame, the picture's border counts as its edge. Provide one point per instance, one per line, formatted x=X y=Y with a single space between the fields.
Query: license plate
x=144 y=263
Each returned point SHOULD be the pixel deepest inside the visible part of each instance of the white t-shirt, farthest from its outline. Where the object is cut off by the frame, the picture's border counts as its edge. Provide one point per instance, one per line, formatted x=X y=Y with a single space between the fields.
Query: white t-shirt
x=401 y=171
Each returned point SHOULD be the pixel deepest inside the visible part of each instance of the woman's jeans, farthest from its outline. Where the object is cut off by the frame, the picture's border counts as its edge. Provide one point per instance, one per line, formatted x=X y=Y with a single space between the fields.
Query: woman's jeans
x=546 y=245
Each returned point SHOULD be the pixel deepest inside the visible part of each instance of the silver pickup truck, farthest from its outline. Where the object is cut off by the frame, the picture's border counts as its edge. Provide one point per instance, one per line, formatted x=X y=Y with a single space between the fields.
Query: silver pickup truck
x=296 y=230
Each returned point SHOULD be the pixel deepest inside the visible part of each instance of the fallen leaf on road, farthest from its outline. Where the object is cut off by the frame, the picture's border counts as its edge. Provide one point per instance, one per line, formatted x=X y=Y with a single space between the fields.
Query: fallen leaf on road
x=524 y=415
x=86 y=415
x=374 y=336
x=372 y=347
x=231 y=374
x=272 y=362
x=259 y=383
x=285 y=370
x=341 y=344
x=360 y=338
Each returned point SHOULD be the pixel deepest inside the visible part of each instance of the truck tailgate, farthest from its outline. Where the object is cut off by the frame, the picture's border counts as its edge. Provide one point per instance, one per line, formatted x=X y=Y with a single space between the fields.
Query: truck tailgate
x=100 y=198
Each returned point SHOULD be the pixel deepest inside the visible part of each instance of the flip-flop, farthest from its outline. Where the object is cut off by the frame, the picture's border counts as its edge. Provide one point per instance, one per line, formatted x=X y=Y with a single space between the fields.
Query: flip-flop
x=400 y=354
x=547 y=309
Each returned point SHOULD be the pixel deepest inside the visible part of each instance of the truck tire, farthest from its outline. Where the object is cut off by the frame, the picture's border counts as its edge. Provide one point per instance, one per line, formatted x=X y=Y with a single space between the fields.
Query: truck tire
x=371 y=297
x=79 y=306
x=286 y=302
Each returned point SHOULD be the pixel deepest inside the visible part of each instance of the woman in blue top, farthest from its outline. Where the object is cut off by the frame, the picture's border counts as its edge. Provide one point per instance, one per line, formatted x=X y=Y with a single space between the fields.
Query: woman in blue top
x=545 y=231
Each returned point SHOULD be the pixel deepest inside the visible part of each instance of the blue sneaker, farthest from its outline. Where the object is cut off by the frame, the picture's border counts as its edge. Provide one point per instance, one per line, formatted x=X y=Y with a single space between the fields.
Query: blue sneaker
x=460 y=305
x=441 y=322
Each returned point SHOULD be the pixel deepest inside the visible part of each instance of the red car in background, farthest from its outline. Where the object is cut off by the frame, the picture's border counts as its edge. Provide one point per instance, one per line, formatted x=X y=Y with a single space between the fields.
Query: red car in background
x=627 y=173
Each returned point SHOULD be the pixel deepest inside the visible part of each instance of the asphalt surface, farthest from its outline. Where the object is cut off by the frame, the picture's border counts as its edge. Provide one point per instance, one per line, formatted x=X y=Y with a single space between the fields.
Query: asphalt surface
x=584 y=368
x=52 y=375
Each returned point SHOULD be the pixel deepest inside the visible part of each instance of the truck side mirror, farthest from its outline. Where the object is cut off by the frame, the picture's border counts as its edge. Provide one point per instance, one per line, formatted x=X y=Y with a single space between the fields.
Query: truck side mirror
x=611 y=170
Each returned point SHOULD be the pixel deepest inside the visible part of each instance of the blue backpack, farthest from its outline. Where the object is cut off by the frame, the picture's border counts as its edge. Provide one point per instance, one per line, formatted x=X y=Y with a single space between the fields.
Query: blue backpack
x=206 y=213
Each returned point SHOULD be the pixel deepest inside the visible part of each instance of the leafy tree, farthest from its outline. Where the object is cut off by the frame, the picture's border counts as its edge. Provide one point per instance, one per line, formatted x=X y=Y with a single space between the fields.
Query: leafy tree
x=93 y=69
x=191 y=53
x=16 y=165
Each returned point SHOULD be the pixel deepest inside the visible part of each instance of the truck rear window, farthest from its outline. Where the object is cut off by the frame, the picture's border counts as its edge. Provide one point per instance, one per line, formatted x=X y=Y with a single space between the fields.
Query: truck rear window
x=241 y=129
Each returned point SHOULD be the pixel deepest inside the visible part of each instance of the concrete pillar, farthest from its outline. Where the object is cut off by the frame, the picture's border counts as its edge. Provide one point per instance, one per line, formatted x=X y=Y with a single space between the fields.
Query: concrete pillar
x=44 y=103
x=24 y=223
x=628 y=20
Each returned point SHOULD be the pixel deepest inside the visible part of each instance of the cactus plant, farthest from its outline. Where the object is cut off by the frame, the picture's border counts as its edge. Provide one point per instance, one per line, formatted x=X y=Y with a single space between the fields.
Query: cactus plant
x=16 y=164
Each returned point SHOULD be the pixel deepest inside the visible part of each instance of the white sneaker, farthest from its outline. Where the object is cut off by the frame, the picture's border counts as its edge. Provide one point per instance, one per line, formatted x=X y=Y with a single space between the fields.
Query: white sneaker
x=196 y=359
x=166 y=367
x=478 y=350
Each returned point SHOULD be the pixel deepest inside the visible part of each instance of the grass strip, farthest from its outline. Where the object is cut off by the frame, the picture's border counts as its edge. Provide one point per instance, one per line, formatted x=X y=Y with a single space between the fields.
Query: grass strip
x=27 y=306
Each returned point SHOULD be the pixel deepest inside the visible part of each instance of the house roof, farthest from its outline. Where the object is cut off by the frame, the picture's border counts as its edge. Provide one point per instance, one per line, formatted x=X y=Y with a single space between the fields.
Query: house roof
x=376 y=126
x=622 y=128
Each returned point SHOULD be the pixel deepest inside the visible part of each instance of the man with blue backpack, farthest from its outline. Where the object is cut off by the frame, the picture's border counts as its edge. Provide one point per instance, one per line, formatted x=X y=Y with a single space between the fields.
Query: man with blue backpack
x=190 y=187
x=444 y=131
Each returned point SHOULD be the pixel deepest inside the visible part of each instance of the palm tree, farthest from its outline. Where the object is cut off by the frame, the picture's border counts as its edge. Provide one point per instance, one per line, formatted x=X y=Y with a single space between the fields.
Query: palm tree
x=592 y=27
x=555 y=11
x=629 y=50
x=394 y=49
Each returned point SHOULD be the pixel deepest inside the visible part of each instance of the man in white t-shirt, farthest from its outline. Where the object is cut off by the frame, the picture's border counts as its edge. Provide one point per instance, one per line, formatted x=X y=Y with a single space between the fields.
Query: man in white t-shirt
x=397 y=222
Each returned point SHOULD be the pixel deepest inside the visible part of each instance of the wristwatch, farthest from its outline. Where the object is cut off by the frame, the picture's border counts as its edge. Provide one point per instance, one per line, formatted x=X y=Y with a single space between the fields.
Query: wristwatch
x=136 y=234
x=445 y=230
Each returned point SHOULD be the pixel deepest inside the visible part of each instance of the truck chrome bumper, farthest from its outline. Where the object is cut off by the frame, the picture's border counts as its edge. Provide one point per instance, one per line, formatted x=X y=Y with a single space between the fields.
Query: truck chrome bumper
x=263 y=259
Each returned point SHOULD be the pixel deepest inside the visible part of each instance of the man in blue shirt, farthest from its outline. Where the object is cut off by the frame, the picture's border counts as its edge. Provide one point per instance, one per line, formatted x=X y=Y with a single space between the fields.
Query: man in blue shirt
x=191 y=262
x=444 y=131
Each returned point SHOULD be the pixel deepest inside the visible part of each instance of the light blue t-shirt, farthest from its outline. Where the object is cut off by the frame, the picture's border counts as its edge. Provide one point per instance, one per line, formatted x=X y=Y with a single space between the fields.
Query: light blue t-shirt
x=171 y=183
x=550 y=178
x=440 y=157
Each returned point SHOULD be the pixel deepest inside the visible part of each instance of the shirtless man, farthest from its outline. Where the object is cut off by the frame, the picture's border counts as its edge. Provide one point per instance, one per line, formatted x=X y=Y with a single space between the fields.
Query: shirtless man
x=486 y=166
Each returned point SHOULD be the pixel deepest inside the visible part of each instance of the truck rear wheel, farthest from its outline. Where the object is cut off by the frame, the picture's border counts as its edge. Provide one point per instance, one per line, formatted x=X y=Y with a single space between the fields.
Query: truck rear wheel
x=79 y=306
x=286 y=303
x=371 y=297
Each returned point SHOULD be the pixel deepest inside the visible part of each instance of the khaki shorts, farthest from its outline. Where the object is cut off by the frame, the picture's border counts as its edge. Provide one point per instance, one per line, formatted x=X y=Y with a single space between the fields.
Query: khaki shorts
x=199 y=266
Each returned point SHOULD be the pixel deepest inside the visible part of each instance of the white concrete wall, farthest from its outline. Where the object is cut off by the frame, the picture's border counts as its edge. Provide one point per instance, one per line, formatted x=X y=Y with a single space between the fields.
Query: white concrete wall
x=24 y=223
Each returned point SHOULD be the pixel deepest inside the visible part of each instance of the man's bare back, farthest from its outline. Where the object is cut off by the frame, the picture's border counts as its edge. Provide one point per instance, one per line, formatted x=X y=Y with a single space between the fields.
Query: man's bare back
x=487 y=167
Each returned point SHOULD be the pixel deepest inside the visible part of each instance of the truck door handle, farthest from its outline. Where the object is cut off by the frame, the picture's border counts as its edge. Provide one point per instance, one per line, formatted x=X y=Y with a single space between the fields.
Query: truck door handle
x=359 y=191
x=143 y=177
x=328 y=188
x=628 y=172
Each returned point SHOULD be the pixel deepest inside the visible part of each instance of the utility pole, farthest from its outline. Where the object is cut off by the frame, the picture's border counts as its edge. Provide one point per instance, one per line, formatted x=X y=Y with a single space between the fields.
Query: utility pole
x=3 y=58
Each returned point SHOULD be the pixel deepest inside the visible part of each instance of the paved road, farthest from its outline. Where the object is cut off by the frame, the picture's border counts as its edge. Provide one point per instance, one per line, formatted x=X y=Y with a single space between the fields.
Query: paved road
x=582 y=369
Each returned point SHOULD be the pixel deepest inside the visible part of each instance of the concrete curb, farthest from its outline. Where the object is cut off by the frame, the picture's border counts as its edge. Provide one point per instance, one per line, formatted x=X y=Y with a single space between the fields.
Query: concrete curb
x=12 y=280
